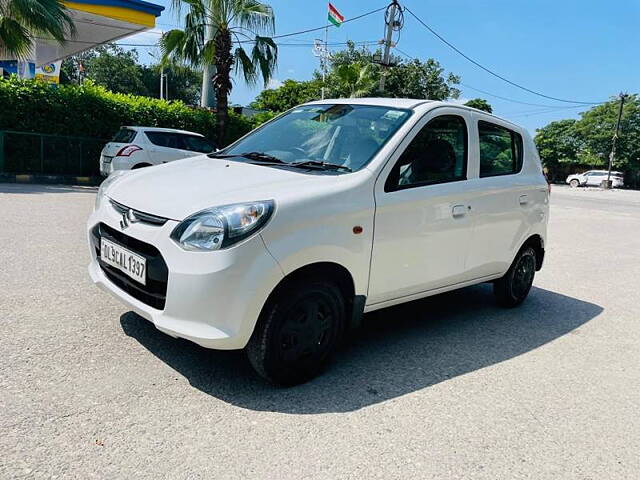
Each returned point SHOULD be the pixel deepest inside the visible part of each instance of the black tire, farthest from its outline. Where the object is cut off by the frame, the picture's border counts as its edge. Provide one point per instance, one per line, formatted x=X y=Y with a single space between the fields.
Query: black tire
x=298 y=332
x=574 y=183
x=513 y=288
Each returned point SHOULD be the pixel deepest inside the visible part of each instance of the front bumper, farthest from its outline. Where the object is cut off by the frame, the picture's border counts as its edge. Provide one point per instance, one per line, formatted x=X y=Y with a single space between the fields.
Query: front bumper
x=212 y=298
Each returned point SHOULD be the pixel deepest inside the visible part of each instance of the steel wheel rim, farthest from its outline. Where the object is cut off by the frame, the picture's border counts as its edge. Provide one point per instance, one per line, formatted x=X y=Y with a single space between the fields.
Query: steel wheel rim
x=306 y=332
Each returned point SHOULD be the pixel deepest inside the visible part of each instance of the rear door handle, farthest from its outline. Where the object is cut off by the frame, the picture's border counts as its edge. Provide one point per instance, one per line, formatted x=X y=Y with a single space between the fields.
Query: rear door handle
x=458 y=211
x=524 y=199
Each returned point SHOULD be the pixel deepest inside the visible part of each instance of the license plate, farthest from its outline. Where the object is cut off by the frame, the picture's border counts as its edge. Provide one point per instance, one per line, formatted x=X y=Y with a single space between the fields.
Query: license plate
x=124 y=260
x=106 y=159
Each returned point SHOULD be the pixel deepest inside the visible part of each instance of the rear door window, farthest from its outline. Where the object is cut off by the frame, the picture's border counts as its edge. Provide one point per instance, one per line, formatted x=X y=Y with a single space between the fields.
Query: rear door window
x=124 y=135
x=500 y=150
x=164 y=139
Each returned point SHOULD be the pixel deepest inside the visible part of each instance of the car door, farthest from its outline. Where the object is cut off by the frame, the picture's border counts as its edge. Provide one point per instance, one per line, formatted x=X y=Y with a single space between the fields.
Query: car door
x=595 y=178
x=422 y=217
x=504 y=196
x=164 y=146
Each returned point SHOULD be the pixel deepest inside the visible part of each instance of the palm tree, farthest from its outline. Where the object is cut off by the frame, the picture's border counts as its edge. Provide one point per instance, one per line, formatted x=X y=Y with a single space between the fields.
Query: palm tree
x=354 y=80
x=215 y=33
x=22 y=21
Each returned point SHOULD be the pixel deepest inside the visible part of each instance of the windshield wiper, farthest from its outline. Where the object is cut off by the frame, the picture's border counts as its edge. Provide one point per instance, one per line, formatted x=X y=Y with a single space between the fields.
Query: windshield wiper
x=321 y=165
x=255 y=156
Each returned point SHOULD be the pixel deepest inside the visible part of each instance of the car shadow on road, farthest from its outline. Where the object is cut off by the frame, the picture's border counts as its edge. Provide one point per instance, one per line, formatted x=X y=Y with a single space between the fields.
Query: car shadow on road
x=400 y=350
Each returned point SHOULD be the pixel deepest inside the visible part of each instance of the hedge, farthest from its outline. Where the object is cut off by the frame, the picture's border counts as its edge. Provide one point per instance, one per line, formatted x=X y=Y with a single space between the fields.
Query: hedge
x=89 y=110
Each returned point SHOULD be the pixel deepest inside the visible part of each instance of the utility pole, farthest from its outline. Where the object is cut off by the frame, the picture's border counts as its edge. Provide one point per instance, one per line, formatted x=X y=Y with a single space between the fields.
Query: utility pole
x=207 y=94
x=321 y=50
x=162 y=83
x=393 y=22
x=614 y=140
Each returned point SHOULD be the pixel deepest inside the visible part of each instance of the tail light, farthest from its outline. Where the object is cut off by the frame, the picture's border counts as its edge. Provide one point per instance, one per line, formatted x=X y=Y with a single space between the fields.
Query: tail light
x=127 y=150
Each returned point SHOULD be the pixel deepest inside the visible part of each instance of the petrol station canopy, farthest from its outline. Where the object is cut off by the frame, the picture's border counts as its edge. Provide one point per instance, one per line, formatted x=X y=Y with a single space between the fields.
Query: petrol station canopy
x=98 y=22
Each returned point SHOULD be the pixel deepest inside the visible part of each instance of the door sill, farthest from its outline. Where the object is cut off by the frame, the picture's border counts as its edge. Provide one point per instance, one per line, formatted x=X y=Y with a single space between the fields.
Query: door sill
x=427 y=293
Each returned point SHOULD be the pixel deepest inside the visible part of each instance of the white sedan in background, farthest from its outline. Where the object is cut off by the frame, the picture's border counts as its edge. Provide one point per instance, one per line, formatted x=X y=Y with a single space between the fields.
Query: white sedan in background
x=594 y=178
x=137 y=147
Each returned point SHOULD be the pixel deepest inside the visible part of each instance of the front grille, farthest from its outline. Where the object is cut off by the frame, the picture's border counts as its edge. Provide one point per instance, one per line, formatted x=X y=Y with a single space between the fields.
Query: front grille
x=154 y=293
x=137 y=215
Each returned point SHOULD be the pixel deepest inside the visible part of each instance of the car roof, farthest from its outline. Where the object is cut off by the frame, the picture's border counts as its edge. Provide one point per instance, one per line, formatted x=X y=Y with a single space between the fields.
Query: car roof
x=158 y=129
x=613 y=172
x=406 y=103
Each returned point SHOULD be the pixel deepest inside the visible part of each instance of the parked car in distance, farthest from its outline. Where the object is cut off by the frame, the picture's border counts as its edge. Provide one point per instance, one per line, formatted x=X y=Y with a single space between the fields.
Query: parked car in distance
x=594 y=178
x=137 y=147
x=269 y=245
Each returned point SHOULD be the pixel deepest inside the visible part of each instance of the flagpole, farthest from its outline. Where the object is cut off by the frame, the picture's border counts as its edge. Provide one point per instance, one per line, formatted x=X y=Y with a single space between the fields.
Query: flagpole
x=324 y=57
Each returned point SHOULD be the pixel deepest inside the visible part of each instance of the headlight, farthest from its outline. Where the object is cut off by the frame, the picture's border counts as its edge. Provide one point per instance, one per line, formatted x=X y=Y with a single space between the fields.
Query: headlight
x=105 y=185
x=221 y=227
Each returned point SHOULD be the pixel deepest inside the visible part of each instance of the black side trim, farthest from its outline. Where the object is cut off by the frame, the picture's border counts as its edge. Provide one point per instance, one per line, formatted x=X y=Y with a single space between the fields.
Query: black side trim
x=357 y=312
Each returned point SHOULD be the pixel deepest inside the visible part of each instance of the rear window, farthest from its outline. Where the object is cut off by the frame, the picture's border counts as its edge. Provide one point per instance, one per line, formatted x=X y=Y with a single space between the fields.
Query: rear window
x=500 y=150
x=180 y=141
x=124 y=135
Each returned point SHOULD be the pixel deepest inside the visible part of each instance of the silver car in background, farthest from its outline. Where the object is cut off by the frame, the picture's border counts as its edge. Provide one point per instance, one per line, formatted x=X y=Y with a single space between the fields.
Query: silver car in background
x=594 y=178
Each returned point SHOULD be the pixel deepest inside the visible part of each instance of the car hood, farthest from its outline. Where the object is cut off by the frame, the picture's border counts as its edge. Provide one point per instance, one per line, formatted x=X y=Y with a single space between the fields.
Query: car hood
x=178 y=189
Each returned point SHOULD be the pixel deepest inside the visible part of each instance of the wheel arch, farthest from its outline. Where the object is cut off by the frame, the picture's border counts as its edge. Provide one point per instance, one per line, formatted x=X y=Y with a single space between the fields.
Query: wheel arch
x=537 y=243
x=141 y=165
x=328 y=271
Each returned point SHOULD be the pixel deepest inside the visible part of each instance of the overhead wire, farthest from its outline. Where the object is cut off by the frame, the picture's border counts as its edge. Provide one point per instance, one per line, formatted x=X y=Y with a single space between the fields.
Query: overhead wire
x=497 y=75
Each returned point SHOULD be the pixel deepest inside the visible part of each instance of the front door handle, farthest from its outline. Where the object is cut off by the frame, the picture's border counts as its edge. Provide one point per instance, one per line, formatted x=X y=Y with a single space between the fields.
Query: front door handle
x=458 y=211
x=524 y=199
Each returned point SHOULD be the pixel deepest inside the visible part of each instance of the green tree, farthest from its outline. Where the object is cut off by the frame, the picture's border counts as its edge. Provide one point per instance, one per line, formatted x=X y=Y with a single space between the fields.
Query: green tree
x=21 y=21
x=183 y=82
x=353 y=80
x=116 y=69
x=288 y=95
x=405 y=79
x=418 y=79
x=480 y=104
x=596 y=128
x=232 y=22
x=566 y=146
x=558 y=145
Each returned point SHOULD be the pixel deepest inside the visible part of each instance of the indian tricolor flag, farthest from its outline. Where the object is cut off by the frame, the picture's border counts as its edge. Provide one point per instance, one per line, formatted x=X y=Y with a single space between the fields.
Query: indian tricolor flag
x=334 y=16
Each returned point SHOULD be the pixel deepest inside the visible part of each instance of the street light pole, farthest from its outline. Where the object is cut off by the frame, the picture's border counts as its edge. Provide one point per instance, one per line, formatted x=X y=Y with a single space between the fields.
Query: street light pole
x=614 y=140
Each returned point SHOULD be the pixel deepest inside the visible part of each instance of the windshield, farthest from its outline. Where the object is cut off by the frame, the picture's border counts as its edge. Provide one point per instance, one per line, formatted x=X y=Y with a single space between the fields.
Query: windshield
x=345 y=135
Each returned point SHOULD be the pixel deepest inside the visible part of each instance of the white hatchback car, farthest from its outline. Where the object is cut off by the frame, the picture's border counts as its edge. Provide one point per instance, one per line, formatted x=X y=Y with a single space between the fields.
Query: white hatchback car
x=137 y=147
x=594 y=178
x=280 y=242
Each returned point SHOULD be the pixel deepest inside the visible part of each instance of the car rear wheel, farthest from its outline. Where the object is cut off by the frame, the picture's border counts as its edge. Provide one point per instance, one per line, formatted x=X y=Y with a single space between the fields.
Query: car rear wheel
x=574 y=183
x=298 y=333
x=514 y=286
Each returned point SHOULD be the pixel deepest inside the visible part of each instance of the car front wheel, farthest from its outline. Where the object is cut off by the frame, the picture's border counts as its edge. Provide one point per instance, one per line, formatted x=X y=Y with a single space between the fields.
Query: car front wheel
x=298 y=332
x=574 y=183
x=514 y=286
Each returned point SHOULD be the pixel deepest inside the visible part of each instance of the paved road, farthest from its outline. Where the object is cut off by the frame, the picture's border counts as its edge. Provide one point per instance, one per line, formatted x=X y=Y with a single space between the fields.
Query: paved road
x=450 y=387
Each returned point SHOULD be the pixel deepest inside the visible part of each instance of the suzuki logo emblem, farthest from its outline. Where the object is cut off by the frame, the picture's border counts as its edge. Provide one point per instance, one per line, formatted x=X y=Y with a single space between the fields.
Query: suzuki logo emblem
x=128 y=218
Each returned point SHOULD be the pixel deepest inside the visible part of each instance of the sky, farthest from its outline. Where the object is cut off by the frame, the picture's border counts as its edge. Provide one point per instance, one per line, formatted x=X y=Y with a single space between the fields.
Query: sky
x=584 y=51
